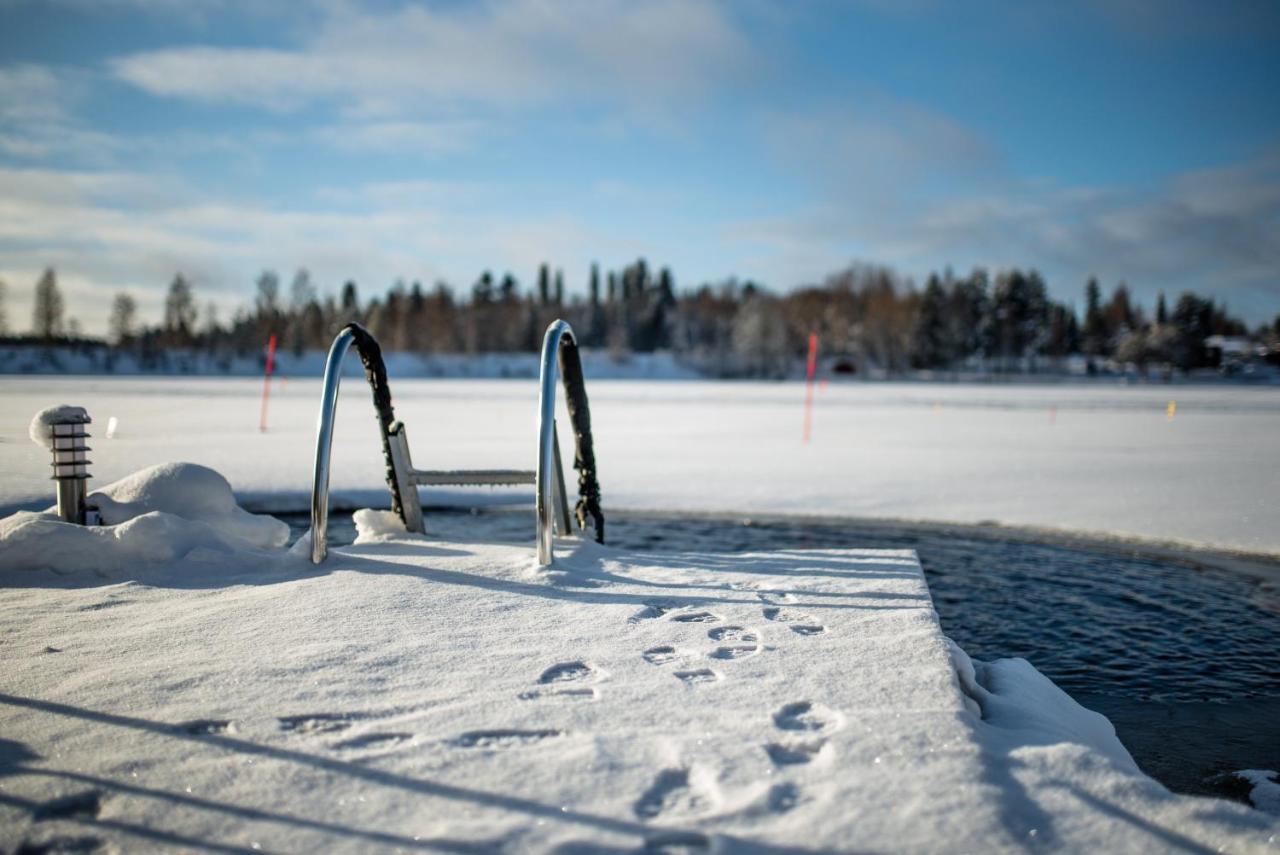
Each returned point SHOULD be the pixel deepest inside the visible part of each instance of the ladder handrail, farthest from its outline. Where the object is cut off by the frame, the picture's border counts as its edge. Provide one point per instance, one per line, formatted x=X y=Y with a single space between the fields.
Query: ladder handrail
x=560 y=356
x=376 y=373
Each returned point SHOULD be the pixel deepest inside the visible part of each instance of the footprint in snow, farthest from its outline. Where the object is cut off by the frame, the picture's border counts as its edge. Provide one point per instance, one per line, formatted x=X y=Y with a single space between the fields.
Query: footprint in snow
x=671 y=793
x=315 y=723
x=663 y=654
x=733 y=633
x=695 y=617
x=800 y=624
x=566 y=680
x=743 y=642
x=567 y=672
x=651 y=611
x=807 y=716
x=372 y=740
x=695 y=676
x=206 y=727
x=107 y=604
x=734 y=651
x=782 y=797
x=504 y=738
x=794 y=753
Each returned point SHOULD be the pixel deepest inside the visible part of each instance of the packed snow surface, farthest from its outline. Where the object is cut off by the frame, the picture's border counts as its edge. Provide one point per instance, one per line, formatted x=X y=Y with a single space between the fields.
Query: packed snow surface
x=1080 y=457
x=412 y=694
x=41 y=428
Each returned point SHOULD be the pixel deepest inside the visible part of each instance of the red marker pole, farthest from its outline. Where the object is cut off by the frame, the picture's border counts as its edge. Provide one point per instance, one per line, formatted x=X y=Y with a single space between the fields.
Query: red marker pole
x=811 y=368
x=266 y=381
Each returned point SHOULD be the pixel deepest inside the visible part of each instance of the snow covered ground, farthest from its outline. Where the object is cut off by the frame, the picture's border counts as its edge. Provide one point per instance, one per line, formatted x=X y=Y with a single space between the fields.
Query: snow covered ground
x=223 y=694
x=1079 y=457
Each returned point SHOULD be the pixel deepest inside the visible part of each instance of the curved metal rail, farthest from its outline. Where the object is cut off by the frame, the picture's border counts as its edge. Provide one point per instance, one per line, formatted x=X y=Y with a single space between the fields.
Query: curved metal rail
x=560 y=350
x=376 y=373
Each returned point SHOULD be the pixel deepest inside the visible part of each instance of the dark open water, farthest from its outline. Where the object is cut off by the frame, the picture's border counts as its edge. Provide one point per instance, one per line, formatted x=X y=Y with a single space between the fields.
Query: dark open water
x=1184 y=658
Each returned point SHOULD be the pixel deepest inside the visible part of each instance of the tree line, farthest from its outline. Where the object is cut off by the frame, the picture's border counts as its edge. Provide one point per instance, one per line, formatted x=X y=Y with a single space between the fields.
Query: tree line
x=867 y=317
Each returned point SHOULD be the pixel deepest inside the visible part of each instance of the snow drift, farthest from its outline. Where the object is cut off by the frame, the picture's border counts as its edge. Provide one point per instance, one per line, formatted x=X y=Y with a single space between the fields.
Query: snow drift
x=162 y=513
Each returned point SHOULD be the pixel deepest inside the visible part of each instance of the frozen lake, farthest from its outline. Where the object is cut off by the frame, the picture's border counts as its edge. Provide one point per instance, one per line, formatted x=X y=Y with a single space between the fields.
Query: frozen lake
x=1094 y=458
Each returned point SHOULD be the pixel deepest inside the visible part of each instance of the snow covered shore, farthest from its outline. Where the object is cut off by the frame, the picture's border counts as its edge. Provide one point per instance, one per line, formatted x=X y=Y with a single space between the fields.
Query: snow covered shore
x=1089 y=459
x=413 y=695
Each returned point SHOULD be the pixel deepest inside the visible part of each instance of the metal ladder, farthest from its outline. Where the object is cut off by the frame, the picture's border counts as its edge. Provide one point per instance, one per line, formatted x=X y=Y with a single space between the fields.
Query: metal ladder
x=559 y=357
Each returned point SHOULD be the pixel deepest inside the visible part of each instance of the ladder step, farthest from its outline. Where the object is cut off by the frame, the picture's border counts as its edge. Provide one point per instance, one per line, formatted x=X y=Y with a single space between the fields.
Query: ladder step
x=490 y=477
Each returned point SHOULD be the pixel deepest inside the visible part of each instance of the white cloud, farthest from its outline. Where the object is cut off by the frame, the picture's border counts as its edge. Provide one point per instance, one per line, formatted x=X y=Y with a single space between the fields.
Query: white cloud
x=36 y=114
x=87 y=227
x=420 y=138
x=515 y=54
x=1216 y=231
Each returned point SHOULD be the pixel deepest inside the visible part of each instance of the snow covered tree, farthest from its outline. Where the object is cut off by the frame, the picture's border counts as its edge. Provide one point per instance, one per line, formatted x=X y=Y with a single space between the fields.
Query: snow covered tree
x=48 y=310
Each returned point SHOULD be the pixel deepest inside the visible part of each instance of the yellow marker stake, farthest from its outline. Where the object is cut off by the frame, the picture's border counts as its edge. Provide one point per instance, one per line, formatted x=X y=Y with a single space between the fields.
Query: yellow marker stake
x=1170 y=410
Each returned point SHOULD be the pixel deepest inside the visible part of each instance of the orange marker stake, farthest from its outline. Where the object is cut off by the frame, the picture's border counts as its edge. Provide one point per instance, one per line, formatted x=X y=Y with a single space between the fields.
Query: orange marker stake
x=1171 y=410
x=266 y=381
x=811 y=368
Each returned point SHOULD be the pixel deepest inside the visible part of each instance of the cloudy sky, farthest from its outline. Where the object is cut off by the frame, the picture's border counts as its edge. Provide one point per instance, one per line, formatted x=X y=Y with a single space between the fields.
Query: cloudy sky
x=1138 y=140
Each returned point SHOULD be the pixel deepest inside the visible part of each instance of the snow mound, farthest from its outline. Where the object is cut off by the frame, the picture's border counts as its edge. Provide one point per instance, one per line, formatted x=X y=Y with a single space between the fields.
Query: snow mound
x=41 y=430
x=192 y=492
x=377 y=526
x=164 y=513
x=1021 y=706
x=42 y=541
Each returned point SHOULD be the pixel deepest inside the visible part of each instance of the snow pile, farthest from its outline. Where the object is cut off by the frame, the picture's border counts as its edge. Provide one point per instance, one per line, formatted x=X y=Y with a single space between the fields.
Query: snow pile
x=41 y=429
x=1024 y=707
x=163 y=513
x=377 y=526
x=192 y=492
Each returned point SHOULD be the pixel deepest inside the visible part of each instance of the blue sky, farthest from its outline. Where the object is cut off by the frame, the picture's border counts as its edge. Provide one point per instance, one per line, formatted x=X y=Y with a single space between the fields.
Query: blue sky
x=1137 y=140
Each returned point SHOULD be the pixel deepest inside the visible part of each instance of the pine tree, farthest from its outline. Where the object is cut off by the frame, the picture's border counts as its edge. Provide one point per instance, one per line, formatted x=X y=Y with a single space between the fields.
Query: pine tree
x=179 y=310
x=1095 y=326
x=929 y=341
x=544 y=284
x=47 y=313
x=350 y=301
x=1162 y=313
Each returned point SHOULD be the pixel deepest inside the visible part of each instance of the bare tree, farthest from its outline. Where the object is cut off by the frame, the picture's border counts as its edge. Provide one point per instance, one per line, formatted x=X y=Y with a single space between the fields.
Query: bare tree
x=180 y=310
x=124 y=314
x=47 y=314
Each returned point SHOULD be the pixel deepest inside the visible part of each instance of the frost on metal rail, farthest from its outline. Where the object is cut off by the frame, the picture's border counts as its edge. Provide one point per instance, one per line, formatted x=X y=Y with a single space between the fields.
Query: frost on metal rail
x=559 y=357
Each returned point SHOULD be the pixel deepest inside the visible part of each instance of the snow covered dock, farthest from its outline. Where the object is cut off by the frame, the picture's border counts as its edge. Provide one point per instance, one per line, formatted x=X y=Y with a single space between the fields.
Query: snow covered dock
x=412 y=695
